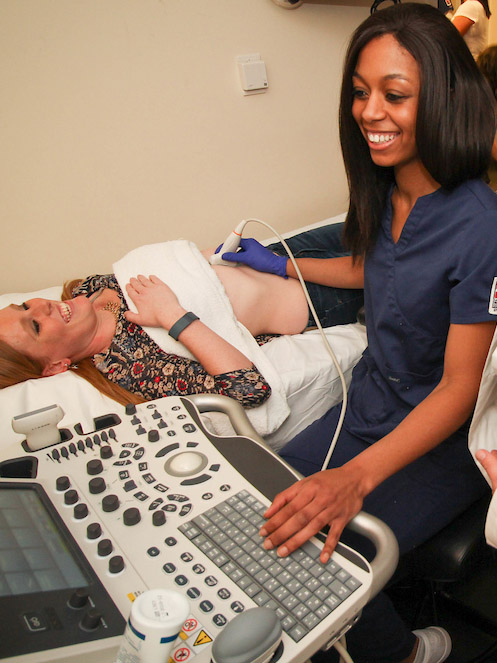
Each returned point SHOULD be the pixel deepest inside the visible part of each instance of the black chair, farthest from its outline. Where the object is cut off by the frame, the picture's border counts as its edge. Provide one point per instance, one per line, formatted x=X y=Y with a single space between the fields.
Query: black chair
x=440 y=566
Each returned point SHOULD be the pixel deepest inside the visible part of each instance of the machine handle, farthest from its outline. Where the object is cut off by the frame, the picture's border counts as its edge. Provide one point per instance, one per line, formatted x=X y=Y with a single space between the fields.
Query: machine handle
x=237 y=415
x=387 y=549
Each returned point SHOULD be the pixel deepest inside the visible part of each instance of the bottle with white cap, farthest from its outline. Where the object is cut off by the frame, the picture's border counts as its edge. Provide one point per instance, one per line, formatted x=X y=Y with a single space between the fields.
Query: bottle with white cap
x=154 y=623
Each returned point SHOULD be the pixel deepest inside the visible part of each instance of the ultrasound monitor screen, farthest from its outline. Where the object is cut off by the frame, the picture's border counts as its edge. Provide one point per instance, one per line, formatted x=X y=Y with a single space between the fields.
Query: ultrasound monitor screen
x=34 y=557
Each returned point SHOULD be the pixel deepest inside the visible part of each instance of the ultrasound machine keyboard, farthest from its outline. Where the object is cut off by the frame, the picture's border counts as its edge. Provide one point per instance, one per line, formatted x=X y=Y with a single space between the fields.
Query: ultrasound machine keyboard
x=151 y=498
x=299 y=588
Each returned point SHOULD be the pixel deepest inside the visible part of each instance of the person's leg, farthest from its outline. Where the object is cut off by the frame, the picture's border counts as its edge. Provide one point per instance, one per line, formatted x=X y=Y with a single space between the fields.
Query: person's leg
x=323 y=242
x=416 y=503
x=334 y=306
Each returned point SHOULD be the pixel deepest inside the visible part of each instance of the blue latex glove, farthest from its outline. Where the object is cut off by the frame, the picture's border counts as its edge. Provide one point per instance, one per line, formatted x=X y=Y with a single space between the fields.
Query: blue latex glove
x=254 y=255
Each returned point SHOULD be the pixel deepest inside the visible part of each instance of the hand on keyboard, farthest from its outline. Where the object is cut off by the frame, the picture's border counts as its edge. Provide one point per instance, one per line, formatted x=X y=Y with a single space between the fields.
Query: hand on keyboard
x=331 y=497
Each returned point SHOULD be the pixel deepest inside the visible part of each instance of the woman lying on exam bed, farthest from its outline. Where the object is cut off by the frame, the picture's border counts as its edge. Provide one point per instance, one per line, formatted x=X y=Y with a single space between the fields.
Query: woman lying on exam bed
x=92 y=331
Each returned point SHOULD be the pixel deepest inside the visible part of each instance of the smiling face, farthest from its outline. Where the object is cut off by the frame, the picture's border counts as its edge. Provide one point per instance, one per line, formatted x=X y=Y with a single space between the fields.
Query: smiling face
x=386 y=85
x=51 y=332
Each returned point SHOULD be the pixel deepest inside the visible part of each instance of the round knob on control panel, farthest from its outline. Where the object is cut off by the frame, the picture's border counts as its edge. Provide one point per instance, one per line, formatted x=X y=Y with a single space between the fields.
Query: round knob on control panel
x=93 y=531
x=131 y=516
x=96 y=485
x=130 y=408
x=153 y=435
x=63 y=483
x=80 y=511
x=94 y=466
x=105 y=547
x=78 y=599
x=158 y=518
x=106 y=451
x=116 y=564
x=110 y=503
x=91 y=620
x=71 y=497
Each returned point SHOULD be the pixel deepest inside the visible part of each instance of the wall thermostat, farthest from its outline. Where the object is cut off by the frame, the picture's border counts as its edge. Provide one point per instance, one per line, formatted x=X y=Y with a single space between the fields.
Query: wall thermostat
x=252 y=71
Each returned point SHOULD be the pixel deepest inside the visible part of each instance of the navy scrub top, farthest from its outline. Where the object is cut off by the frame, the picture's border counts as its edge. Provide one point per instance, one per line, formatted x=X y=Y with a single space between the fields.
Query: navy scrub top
x=442 y=270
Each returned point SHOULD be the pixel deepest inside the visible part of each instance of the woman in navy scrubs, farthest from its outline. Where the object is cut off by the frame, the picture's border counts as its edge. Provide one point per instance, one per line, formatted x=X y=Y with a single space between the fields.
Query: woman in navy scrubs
x=417 y=125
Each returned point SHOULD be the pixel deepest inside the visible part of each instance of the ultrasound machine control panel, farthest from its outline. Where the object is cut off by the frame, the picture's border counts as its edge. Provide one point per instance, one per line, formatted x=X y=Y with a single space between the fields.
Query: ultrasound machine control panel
x=151 y=499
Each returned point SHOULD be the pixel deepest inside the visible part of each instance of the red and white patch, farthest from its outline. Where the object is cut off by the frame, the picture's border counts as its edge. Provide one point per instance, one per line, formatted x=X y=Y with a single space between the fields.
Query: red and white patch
x=492 y=304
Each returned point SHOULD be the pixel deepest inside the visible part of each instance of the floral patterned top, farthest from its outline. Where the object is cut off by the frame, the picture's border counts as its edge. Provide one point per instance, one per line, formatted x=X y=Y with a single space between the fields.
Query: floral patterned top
x=137 y=363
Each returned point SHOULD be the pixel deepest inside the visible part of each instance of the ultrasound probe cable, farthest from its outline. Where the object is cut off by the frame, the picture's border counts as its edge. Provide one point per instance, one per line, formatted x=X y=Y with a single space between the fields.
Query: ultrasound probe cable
x=233 y=242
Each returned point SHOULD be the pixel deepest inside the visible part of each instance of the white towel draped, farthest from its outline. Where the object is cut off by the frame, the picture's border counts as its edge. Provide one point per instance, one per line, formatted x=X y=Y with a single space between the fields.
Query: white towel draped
x=180 y=264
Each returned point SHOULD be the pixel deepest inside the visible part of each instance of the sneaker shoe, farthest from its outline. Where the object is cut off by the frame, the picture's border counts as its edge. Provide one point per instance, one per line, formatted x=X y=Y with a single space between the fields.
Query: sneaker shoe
x=434 y=645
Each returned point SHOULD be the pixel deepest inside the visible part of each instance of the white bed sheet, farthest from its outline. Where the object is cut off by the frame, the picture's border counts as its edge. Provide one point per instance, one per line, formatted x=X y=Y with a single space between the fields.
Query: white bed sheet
x=311 y=381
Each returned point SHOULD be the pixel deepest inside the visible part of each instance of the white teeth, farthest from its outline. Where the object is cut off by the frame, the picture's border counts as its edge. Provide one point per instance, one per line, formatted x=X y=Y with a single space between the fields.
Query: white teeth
x=380 y=138
x=65 y=311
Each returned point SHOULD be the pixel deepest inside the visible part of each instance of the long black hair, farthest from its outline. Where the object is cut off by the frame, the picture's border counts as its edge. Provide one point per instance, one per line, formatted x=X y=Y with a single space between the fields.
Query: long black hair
x=455 y=124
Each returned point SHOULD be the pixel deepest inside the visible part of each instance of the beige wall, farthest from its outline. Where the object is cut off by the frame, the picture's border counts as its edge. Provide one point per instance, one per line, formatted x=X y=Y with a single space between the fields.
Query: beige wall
x=492 y=32
x=123 y=123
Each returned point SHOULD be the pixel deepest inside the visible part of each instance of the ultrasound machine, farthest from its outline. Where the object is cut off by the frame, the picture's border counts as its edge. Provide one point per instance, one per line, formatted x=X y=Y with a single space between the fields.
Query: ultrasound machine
x=149 y=498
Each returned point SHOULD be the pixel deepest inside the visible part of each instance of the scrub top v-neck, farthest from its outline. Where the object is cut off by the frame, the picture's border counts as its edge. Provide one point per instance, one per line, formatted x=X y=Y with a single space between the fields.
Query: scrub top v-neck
x=439 y=272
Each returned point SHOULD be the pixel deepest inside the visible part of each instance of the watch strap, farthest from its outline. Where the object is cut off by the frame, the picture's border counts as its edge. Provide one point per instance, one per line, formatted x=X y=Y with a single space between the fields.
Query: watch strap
x=181 y=324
